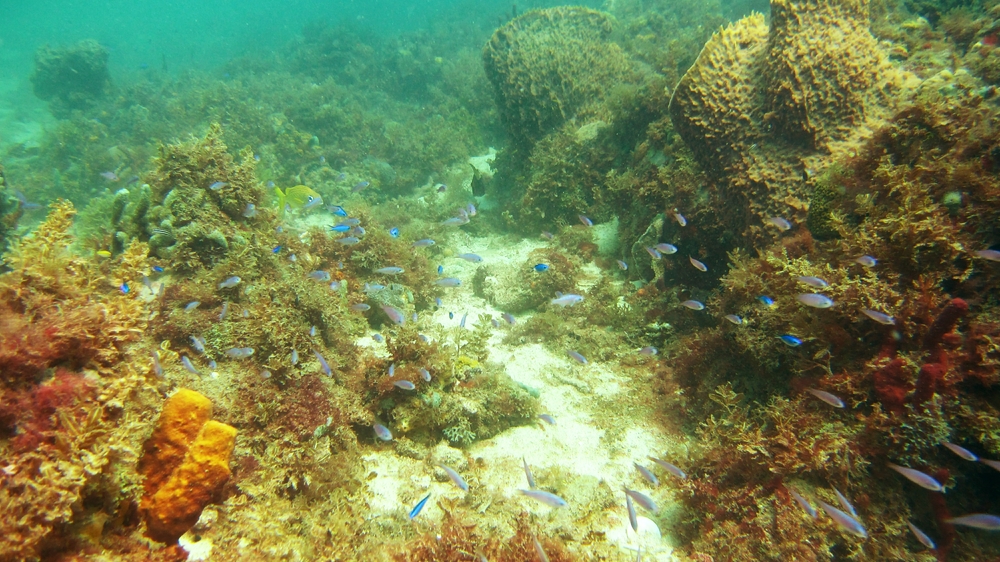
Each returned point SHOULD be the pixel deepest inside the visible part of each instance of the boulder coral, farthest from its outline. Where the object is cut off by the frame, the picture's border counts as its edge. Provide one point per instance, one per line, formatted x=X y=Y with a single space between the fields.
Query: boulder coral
x=185 y=465
x=762 y=107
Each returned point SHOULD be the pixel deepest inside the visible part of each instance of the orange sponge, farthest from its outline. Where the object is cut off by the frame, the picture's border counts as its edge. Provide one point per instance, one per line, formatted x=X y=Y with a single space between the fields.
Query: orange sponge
x=186 y=463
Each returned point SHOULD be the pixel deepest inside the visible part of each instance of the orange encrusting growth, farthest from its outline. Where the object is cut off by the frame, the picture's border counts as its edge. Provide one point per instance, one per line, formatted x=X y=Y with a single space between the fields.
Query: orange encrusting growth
x=186 y=463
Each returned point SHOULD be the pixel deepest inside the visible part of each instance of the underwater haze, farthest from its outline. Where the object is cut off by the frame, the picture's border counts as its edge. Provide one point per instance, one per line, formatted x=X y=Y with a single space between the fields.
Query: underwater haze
x=662 y=280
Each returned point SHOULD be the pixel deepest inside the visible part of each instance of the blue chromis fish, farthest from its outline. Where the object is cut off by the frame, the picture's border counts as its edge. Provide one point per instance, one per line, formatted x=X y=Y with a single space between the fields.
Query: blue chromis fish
x=230 y=282
x=420 y=505
x=157 y=269
x=669 y=467
x=541 y=267
x=826 y=397
x=188 y=365
x=157 y=368
x=790 y=340
x=622 y=265
x=124 y=288
x=394 y=314
x=548 y=498
x=394 y=232
x=642 y=499
x=766 y=300
x=547 y=419
x=586 y=221
x=191 y=306
x=297 y=197
x=218 y=185
x=391 y=270
x=337 y=210
x=918 y=478
x=844 y=520
x=448 y=282
x=474 y=258
x=340 y=227
x=983 y=521
x=358 y=187
x=647 y=474
x=276 y=249
x=323 y=364
x=382 y=432
x=240 y=352
x=455 y=477
x=566 y=300
x=693 y=305
x=577 y=357
x=405 y=385
x=527 y=473
x=319 y=275
x=423 y=243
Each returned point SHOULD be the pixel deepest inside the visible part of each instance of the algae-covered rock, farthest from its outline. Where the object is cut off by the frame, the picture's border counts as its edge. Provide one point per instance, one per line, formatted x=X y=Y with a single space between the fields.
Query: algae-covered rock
x=764 y=106
x=73 y=77
x=547 y=65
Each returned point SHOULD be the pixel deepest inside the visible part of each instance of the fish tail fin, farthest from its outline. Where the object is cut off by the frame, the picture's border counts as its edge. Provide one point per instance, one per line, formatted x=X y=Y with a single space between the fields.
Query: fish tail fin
x=281 y=200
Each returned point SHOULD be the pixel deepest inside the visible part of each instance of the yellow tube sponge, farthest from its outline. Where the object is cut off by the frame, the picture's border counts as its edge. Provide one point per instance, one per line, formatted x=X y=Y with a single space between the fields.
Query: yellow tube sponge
x=186 y=463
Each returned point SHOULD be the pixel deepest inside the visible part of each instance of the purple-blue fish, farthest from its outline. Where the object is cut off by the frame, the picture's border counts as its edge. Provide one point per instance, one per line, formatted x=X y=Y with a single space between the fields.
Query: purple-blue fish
x=802 y=502
x=844 y=520
x=566 y=300
x=547 y=419
x=359 y=307
x=218 y=185
x=240 y=352
x=348 y=241
x=382 y=432
x=961 y=451
x=474 y=258
x=779 y=222
x=983 y=521
x=198 y=343
x=360 y=186
x=698 y=265
x=826 y=397
x=642 y=499
x=323 y=364
x=188 y=365
x=110 y=176
x=866 y=261
x=425 y=374
x=391 y=270
x=666 y=249
x=191 y=306
x=918 y=478
x=577 y=357
x=647 y=474
x=633 y=520
x=815 y=300
x=648 y=351
x=448 y=282
x=528 y=474
x=548 y=498
x=394 y=314
x=230 y=282
x=455 y=477
x=157 y=368
x=509 y=318
x=653 y=252
x=586 y=221
x=669 y=467
x=812 y=281
x=405 y=385
x=921 y=536
x=991 y=255
x=879 y=317
x=622 y=265
x=693 y=305
x=423 y=242
x=734 y=319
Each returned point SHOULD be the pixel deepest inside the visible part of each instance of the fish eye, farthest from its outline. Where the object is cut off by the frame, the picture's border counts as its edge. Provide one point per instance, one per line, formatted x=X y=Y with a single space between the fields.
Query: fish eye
x=309 y=198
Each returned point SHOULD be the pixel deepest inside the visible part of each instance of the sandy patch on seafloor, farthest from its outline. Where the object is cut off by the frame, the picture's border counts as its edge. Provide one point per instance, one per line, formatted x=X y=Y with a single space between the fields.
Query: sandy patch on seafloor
x=572 y=393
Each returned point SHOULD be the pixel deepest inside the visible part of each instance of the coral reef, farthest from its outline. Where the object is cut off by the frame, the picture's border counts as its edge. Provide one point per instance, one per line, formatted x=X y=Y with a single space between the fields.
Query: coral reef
x=764 y=105
x=185 y=465
x=73 y=77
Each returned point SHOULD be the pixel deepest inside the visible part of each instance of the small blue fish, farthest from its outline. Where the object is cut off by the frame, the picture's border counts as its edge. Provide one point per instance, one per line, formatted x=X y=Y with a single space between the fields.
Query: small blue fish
x=527 y=473
x=198 y=343
x=218 y=185
x=633 y=520
x=394 y=232
x=188 y=365
x=337 y=210
x=577 y=357
x=961 y=451
x=295 y=357
x=455 y=477
x=405 y=385
x=508 y=318
x=879 y=317
x=921 y=536
x=541 y=267
x=812 y=281
x=420 y=505
x=451 y=316
x=448 y=282
x=124 y=288
x=382 y=432
x=734 y=319
x=348 y=241
x=983 y=521
x=547 y=235
x=240 y=352
x=392 y=370
x=394 y=314
x=157 y=269
x=440 y=271
x=474 y=258
x=566 y=300
x=698 y=265
x=378 y=338
x=423 y=242
x=191 y=306
x=441 y=188
x=622 y=265
x=230 y=282
x=547 y=419
x=815 y=300
x=790 y=340
x=157 y=368
x=693 y=305
x=844 y=520
x=462 y=323
x=642 y=499
x=826 y=397
x=918 y=478
x=669 y=467
x=250 y=211
x=666 y=249
x=224 y=311
x=359 y=307
x=647 y=474
x=312 y=331
x=340 y=227
x=766 y=300
x=212 y=364
x=359 y=187
x=372 y=287
x=455 y=221
x=548 y=498
x=648 y=351
x=320 y=275
x=438 y=302
x=335 y=285
x=802 y=502
x=653 y=252
x=110 y=176
x=392 y=270
x=323 y=364
x=586 y=221
x=866 y=261
x=425 y=374
x=276 y=249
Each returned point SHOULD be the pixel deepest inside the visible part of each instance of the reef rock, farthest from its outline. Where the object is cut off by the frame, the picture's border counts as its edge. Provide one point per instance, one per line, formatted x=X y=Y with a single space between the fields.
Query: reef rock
x=547 y=65
x=71 y=77
x=185 y=464
x=762 y=108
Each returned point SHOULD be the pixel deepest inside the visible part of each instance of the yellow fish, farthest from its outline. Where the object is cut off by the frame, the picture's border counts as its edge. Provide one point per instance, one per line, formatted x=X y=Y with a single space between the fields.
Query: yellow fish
x=297 y=197
x=103 y=253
